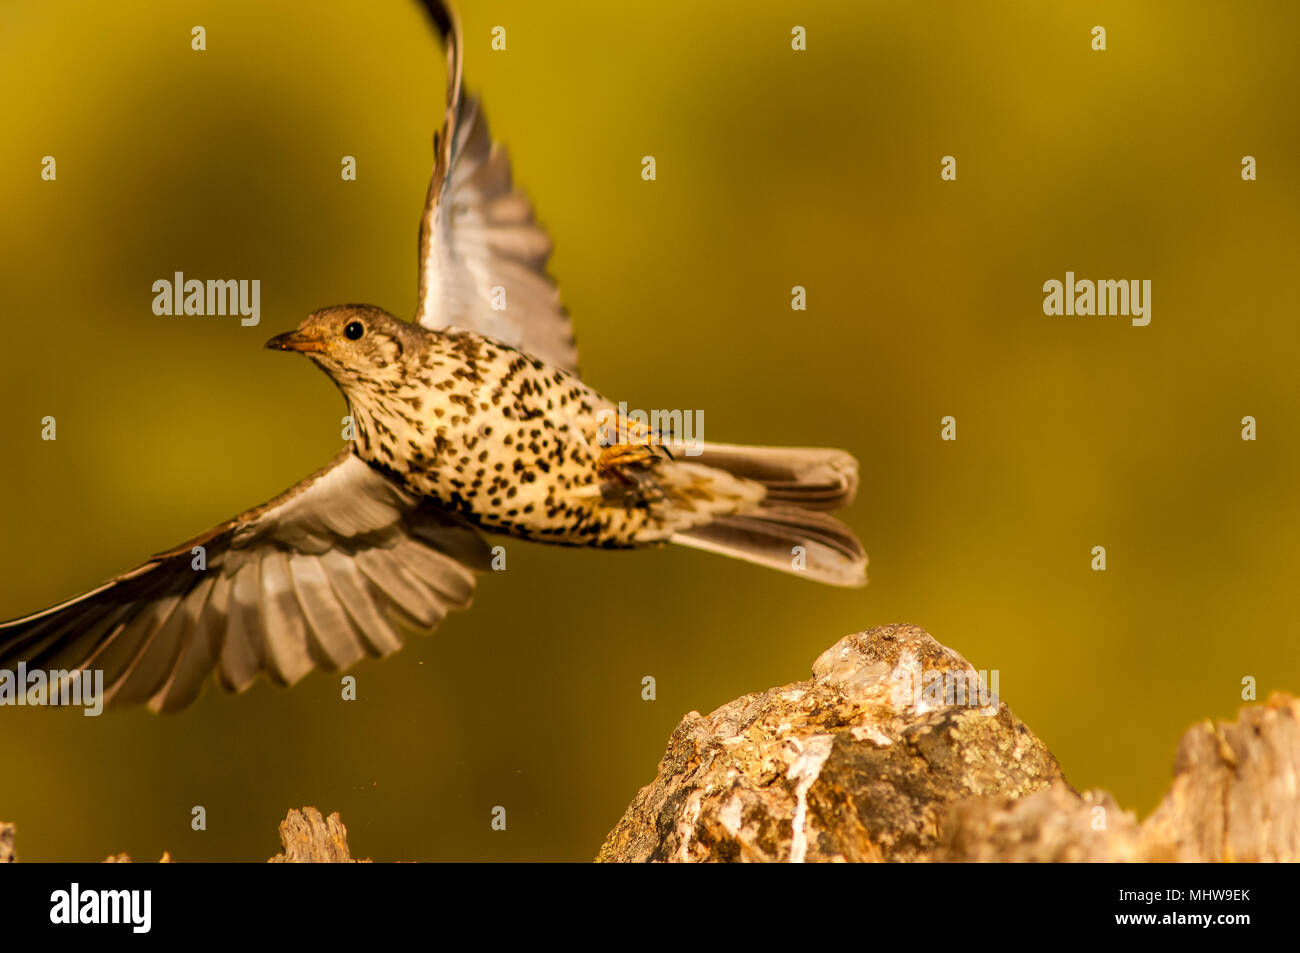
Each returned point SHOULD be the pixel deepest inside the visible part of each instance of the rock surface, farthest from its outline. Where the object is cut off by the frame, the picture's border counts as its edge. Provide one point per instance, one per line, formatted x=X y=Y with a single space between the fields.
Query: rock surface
x=859 y=763
x=891 y=751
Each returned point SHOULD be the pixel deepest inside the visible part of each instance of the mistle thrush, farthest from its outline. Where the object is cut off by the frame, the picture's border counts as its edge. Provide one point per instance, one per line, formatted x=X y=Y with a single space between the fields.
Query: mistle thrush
x=469 y=419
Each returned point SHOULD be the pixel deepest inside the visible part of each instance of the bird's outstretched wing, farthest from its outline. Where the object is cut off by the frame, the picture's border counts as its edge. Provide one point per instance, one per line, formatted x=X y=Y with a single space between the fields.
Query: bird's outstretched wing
x=482 y=255
x=323 y=574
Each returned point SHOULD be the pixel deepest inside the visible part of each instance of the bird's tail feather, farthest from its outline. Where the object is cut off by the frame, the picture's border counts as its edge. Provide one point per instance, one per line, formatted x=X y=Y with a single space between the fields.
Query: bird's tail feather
x=787 y=531
x=801 y=542
x=813 y=478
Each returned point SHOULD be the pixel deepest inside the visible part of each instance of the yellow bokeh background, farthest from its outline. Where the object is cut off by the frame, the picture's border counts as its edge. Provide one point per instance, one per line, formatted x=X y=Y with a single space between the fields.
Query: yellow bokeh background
x=775 y=169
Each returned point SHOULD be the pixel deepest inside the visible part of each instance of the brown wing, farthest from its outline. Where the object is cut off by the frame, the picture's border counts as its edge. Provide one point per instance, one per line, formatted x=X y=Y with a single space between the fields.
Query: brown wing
x=320 y=576
x=480 y=247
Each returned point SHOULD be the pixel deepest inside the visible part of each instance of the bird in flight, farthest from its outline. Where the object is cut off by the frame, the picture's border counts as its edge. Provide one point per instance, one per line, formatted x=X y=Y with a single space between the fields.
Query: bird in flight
x=468 y=420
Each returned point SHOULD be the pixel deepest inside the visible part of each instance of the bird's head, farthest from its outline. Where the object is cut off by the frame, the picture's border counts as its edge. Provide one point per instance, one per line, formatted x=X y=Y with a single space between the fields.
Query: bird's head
x=355 y=344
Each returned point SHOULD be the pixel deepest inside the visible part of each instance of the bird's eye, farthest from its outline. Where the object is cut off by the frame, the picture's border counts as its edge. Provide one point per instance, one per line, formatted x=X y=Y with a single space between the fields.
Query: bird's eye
x=354 y=330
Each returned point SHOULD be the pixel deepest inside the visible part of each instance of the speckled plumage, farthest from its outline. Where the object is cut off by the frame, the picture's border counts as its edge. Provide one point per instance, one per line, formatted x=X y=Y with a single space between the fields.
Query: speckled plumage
x=504 y=439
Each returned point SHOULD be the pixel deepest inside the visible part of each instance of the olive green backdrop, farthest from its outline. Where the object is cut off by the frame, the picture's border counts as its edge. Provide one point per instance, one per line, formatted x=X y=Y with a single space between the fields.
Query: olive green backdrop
x=775 y=169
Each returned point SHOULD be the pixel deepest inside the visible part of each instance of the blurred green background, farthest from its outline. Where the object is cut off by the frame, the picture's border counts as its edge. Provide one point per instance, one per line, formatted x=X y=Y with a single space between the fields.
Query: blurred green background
x=775 y=168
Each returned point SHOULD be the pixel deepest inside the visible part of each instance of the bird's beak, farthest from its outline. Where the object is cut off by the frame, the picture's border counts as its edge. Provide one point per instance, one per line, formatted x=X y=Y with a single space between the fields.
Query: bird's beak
x=296 y=341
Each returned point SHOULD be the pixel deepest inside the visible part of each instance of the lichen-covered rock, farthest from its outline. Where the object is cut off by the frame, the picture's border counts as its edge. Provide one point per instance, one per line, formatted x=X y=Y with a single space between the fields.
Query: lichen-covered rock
x=894 y=750
x=859 y=763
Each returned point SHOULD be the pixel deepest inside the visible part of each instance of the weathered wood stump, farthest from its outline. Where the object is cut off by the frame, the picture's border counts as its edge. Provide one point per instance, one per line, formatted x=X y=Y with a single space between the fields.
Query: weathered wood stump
x=309 y=838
